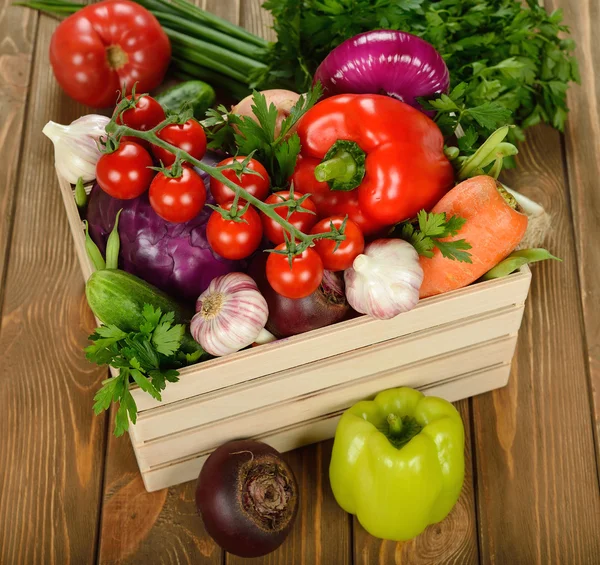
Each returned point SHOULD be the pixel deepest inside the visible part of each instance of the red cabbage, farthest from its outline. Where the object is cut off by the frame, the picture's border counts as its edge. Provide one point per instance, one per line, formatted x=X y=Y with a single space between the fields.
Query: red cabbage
x=174 y=257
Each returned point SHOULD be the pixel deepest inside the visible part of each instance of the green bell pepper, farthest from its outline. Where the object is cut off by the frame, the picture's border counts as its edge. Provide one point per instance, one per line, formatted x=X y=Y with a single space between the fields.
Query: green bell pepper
x=398 y=462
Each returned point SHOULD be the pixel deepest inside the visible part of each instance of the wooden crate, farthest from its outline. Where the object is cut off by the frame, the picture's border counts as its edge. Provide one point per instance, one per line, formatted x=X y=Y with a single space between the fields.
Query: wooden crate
x=292 y=392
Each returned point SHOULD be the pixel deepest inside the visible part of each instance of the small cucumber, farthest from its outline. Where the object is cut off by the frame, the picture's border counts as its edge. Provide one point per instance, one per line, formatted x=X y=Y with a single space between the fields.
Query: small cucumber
x=117 y=298
x=198 y=93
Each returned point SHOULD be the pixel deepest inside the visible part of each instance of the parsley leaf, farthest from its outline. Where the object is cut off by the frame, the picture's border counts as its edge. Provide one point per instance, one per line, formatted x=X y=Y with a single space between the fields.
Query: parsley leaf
x=145 y=357
x=433 y=228
x=244 y=135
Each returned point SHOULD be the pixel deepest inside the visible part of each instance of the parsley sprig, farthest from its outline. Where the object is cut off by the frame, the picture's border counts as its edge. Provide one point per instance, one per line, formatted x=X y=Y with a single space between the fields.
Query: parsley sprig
x=243 y=135
x=452 y=110
x=432 y=229
x=146 y=357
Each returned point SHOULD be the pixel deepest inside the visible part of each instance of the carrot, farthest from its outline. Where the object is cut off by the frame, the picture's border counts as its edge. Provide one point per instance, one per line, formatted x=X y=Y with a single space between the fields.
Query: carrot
x=492 y=227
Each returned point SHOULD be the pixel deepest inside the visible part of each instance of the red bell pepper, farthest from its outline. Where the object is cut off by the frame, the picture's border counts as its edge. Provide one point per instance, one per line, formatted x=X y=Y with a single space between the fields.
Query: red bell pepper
x=372 y=157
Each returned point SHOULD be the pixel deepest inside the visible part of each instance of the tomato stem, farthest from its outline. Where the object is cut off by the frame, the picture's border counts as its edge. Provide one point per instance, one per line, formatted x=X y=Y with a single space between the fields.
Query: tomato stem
x=343 y=166
x=116 y=57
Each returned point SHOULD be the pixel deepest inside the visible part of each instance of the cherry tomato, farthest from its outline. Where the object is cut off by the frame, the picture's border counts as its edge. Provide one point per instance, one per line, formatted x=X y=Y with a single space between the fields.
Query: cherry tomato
x=302 y=221
x=255 y=185
x=146 y=114
x=125 y=173
x=341 y=258
x=188 y=136
x=104 y=46
x=232 y=239
x=299 y=280
x=178 y=199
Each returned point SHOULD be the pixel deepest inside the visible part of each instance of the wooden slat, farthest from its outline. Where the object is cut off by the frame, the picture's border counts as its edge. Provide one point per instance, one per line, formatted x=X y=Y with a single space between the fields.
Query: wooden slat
x=537 y=489
x=17 y=30
x=321 y=428
x=453 y=541
x=346 y=336
x=342 y=395
x=396 y=354
x=179 y=446
x=582 y=139
x=321 y=533
x=52 y=445
x=142 y=527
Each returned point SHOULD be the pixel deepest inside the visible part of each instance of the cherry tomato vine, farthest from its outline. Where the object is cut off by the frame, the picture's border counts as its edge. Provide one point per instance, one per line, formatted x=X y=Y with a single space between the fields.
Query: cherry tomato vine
x=296 y=243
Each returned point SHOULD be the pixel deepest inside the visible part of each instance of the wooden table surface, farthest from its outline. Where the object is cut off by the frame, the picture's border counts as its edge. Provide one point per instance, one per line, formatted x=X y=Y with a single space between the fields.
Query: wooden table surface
x=71 y=493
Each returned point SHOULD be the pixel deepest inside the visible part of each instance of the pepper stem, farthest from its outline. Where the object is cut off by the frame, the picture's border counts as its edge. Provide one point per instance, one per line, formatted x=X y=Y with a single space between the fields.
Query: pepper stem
x=343 y=166
x=395 y=424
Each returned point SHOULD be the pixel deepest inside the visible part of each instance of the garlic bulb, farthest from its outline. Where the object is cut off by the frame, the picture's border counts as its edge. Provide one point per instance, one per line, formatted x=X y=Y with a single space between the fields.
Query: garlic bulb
x=75 y=150
x=384 y=281
x=230 y=314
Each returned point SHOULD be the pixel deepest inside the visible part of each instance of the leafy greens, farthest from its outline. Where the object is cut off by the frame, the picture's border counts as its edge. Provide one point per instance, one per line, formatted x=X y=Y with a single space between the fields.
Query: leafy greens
x=503 y=52
x=145 y=357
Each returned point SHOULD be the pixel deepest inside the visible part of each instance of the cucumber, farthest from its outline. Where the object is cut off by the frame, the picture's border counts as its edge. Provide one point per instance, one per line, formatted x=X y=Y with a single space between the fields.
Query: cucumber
x=198 y=93
x=117 y=298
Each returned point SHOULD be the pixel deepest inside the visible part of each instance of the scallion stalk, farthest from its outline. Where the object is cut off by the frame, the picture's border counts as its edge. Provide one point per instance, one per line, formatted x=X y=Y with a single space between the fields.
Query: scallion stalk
x=219 y=23
x=217 y=38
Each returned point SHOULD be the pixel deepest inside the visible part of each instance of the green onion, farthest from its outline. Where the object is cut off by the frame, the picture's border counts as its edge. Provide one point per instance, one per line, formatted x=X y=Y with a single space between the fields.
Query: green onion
x=189 y=54
x=198 y=31
x=218 y=23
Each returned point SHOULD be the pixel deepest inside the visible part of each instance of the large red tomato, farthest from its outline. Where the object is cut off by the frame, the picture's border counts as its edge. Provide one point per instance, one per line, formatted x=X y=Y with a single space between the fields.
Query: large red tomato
x=104 y=46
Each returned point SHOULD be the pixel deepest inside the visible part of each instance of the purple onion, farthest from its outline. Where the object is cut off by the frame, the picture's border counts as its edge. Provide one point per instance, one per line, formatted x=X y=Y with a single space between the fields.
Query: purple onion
x=394 y=63
x=174 y=257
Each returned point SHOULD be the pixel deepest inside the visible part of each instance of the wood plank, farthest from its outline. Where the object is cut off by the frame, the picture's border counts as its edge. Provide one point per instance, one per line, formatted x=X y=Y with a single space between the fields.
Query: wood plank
x=582 y=146
x=52 y=446
x=142 y=527
x=321 y=533
x=537 y=490
x=452 y=541
x=341 y=396
x=17 y=32
x=160 y=527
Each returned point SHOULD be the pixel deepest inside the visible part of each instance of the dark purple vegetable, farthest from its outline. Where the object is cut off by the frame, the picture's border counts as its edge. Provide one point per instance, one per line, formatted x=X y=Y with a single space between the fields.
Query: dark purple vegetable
x=247 y=496
x=395 y=63
x=288 y=316
x=174 y=257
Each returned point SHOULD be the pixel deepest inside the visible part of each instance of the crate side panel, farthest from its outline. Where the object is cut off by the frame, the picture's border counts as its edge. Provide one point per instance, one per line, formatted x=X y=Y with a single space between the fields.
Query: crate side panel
x=320 y=375
x=304 y=434
x=340 y=338
x=76 y=227
x=456 y=368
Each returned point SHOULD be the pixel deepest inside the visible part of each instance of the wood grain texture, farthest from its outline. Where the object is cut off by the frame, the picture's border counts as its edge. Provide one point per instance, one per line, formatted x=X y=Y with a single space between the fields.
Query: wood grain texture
x=452 y=541
x=537 y=490
x=17 y=32
x=582 y=146
x=321 y=533
x=52 y=445
x=142 y=527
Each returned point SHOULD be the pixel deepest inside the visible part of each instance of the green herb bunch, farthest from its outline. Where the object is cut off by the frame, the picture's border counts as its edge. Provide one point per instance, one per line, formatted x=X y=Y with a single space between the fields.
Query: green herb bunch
x=503 y=51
